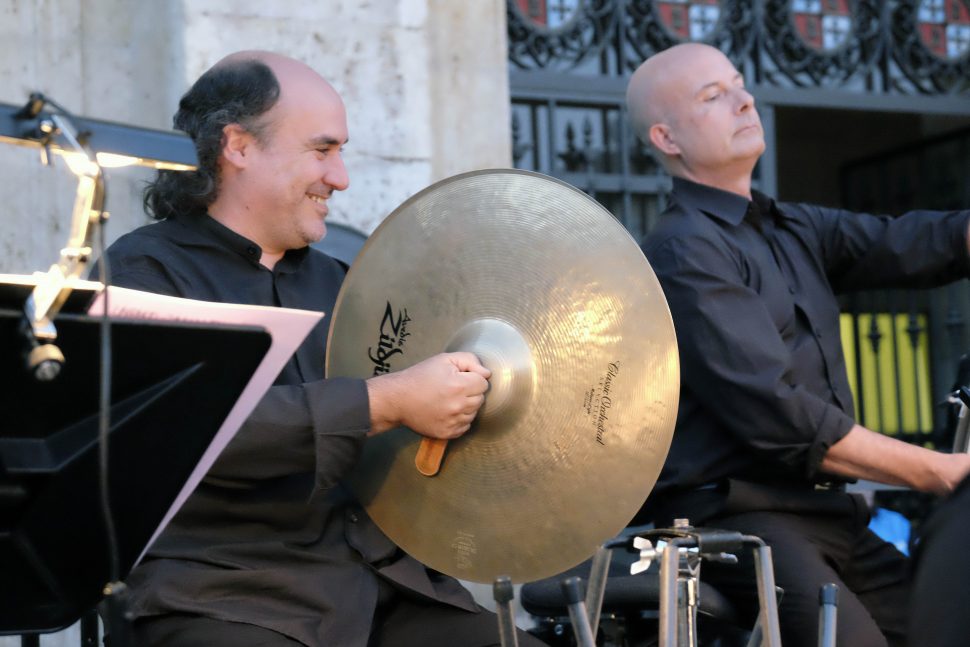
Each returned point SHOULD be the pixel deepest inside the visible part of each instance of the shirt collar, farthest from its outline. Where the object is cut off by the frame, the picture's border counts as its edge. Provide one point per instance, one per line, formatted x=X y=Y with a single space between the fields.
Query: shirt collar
x=723 y=205
x=246 y=248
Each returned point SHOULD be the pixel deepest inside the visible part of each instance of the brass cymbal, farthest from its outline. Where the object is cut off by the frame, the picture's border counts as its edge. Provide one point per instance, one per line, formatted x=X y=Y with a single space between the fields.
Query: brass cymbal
x=554 y=296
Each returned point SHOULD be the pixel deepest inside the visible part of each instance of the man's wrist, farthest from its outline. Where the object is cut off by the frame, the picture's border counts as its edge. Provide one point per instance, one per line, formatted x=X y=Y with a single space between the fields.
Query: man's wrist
x=383 y=402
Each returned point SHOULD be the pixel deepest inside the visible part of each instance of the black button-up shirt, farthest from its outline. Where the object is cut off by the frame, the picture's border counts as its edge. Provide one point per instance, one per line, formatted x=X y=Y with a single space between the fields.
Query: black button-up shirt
x=751 y=287
x=269 y=537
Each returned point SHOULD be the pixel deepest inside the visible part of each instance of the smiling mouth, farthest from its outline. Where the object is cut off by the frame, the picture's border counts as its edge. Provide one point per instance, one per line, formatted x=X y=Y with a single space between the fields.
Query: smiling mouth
x=319 y=199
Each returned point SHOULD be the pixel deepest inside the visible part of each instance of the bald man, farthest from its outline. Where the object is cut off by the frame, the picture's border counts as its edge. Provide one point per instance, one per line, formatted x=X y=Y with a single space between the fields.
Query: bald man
x=270 y=549
x=766 y=436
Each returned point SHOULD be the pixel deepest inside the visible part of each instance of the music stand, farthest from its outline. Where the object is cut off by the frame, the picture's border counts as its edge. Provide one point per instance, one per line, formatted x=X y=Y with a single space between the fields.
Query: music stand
x=174 y=384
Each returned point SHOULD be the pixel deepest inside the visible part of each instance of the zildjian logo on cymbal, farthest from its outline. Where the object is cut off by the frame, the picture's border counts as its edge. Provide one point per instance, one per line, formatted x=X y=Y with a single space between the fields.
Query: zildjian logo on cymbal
x=394 y=332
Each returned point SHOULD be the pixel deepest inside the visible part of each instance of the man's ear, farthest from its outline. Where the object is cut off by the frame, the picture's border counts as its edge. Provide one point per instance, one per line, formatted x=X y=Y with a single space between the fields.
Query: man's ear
x=662 y=139
x=237 y=143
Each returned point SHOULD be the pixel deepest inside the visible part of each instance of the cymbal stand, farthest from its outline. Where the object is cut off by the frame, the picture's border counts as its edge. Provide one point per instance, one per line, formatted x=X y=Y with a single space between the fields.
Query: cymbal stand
x=680 y=557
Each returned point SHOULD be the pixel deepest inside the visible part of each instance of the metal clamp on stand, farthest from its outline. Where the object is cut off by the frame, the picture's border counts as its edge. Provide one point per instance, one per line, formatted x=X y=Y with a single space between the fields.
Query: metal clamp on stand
x=681 y=550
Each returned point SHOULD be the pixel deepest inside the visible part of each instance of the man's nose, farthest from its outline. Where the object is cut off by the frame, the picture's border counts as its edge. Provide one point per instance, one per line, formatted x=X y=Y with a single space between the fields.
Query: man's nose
x=744 y=99
x=336 y=174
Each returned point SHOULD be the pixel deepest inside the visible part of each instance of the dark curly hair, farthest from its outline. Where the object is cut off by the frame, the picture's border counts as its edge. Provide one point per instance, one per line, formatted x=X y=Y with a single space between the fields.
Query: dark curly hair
x=234 y=92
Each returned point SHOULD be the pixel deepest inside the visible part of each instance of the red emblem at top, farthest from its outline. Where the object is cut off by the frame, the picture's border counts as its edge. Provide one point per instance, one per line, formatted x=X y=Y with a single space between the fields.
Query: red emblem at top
x=549 y=14
x=823 y=25
x=689 y=20
x=944 y=27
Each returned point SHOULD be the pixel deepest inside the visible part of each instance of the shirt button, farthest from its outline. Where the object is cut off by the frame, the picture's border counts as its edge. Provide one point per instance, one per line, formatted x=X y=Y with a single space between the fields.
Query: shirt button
x=352 y=517
x=251 y=250
x=791 y=290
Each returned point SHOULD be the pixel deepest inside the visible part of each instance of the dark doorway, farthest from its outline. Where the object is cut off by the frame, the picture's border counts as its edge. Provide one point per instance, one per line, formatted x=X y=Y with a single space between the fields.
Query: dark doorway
x=815 y=147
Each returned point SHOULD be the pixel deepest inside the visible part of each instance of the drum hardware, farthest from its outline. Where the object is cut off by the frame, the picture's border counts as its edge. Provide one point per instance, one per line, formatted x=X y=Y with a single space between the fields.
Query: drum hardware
x=637 y=598
x=681 y=550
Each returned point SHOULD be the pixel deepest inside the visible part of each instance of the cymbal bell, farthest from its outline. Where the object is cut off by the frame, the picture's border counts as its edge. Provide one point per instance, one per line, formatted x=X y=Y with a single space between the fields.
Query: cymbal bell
x=554 y=296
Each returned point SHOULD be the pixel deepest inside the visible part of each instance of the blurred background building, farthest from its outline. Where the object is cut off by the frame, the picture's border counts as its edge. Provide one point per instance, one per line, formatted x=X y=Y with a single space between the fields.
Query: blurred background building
x=865 y=103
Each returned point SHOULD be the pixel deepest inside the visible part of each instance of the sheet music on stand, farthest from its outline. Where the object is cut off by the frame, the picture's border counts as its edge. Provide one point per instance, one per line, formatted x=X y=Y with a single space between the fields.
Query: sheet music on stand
x=287 y=328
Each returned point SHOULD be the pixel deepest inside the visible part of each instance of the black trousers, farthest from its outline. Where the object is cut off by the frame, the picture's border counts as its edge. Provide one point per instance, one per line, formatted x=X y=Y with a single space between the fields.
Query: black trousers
x=405 y=623
x=816 y=537
x=941 y=592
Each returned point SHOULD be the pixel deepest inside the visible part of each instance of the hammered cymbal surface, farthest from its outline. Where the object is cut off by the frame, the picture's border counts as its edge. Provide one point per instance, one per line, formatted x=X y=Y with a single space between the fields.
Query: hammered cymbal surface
x=555 y=297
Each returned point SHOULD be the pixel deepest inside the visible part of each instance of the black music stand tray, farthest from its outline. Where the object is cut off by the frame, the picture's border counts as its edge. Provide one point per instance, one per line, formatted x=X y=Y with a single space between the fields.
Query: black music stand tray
x=173 y=386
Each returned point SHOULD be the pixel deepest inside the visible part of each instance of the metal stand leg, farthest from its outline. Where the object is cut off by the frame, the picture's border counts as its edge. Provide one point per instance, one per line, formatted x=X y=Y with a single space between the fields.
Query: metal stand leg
x=669 y=561
x=828 y=599
x=503 y=593
x=679 y=582
x=688 y=581
x=961 y=438
x=755 y=639
x=765 y=573
x=572 y=588
x=597 y=586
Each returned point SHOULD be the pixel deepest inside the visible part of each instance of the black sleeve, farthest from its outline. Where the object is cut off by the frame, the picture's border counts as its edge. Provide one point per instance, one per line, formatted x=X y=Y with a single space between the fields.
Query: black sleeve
x=318 y=426
x=918 y=249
